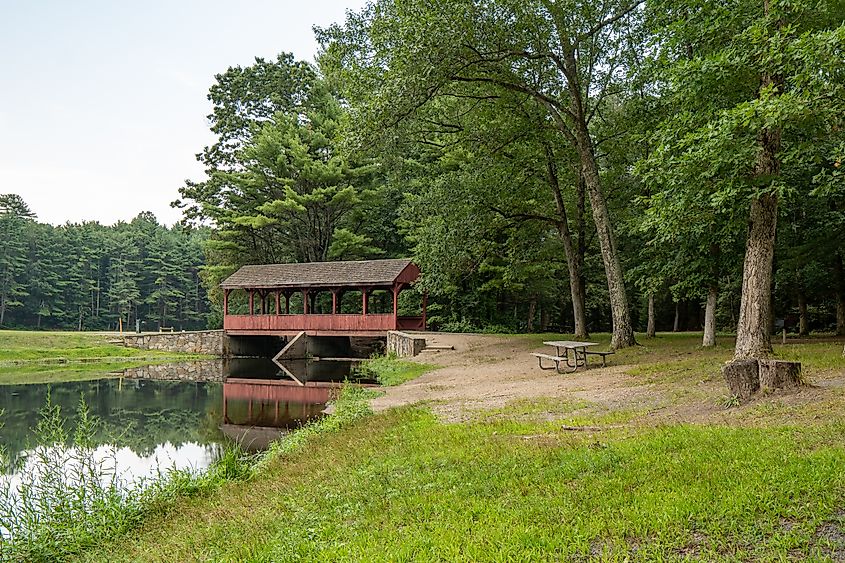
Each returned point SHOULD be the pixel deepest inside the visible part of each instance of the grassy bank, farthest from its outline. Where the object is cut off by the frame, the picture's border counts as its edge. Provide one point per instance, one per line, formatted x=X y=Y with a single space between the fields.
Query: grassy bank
x=557 y=479
x=403 y=486
x=391 y=370
x=44 y=357
x=72 y=501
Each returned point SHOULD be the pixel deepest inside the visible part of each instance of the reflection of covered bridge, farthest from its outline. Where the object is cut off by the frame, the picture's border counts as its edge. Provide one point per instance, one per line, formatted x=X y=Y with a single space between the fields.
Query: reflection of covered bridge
x=320 y=298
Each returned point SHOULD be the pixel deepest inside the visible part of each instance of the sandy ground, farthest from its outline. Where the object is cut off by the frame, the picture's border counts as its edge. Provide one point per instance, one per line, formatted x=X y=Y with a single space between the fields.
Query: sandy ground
x=485 y=372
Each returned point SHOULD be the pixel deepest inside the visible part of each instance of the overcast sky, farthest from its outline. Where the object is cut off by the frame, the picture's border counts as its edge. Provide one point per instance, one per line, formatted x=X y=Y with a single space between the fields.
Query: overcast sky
x=103 y=103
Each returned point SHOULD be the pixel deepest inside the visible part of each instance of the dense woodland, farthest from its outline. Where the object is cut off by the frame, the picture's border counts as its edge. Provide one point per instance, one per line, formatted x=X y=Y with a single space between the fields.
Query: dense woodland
x=551 y=165
x=88 y=276
x=559 y=165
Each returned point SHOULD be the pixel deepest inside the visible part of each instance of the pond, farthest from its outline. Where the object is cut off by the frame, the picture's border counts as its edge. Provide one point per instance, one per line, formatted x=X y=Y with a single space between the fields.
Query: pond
x=149 y=426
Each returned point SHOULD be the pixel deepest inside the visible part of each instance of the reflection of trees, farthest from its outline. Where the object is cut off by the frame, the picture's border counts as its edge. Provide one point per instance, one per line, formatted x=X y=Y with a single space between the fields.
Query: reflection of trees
x=138 y=414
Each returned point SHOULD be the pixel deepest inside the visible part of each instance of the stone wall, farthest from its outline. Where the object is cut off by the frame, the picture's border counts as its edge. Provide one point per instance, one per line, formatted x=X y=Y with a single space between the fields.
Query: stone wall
x=198 y=370
x=403 y=344
x=200 y=342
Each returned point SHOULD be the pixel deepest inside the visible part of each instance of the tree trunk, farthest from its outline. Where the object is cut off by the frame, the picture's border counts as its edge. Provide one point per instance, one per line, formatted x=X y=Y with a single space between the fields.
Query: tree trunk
x=532 y=309
x=574 y=265
x=710 y=317
x=623 y=330
x=753 y=334
x=803 y=326
x=753 y=338
x=677 y=326
x=2 y=309
x=650 y=329
x=742 y=377
x=839 y=272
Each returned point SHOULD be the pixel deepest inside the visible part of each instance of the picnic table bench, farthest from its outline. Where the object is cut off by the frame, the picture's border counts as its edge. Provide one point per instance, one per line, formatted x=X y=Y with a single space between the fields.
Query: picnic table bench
x=573 y=361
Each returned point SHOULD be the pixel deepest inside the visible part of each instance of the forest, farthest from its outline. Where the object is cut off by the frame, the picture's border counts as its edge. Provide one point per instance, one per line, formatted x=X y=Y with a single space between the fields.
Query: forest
x=564 y=166
x=551 y=166
x=93 y=277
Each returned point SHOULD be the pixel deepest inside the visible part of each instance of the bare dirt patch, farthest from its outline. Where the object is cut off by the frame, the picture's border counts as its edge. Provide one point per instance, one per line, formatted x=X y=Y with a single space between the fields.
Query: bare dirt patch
x=487 y=372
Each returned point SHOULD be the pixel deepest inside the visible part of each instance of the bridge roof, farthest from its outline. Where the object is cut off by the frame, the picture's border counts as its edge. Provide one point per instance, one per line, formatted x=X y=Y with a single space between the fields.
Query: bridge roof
x=361 y=273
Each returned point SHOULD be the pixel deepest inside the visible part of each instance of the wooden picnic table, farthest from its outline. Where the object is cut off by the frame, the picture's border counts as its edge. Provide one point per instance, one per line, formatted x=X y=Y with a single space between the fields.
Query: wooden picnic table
x=578 y=349
x=562 y=354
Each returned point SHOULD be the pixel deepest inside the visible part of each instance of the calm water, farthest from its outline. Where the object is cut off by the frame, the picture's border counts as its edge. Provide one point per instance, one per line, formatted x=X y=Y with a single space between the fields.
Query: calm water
x=150 y=426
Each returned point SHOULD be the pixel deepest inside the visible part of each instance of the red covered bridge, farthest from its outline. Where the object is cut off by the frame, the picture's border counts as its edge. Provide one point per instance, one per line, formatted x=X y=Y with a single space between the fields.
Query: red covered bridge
x=359 y=298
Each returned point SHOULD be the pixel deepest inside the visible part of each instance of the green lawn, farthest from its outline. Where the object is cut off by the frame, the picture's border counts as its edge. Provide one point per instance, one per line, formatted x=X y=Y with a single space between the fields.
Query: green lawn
x=44 y=357
x=522 y=483
x=402 y=486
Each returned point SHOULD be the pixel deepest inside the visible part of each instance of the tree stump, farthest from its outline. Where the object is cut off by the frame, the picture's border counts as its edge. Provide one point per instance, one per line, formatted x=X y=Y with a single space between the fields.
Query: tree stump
x=779 y=374
x=743 y=377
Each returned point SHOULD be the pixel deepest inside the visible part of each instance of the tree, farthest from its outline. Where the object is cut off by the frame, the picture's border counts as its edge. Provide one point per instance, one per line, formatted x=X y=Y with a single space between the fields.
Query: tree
x=565 y=58
x=15 y=216
x=752 y=82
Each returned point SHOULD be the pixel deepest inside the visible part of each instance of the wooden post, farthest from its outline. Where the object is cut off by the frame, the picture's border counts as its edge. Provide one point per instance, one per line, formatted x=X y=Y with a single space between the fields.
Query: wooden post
x=263 y=295
x=225 y=302
x=305 y=301
x=251 y=302
x=278 y=304
x=287 y=303
x=364 y=301
x=334 y=302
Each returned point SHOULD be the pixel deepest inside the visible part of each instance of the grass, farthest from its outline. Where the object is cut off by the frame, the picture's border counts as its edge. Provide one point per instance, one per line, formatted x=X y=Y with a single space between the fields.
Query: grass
x=555 y=479
x=390 y=370
x=70 y=500
x=45 y=357
x=402 y=486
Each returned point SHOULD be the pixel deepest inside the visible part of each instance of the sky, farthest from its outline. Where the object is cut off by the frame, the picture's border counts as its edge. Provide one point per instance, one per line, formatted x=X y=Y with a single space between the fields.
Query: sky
x=103 y=103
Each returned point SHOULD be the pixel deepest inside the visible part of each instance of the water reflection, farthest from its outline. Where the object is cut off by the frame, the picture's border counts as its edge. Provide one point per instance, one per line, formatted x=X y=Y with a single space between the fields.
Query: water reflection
x=140 y=415
x=155 y=423
x=263 y=400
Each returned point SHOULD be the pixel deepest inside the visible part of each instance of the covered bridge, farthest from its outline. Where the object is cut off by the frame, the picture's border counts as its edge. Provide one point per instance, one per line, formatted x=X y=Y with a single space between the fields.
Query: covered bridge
x=359 y=298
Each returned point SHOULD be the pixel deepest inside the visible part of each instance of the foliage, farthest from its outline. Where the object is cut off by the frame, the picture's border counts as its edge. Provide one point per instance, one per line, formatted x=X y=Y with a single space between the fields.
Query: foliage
x=89 y=276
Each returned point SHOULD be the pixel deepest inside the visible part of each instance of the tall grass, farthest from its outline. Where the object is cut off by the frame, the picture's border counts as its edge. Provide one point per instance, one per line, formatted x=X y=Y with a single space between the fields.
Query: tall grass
x=69 y=496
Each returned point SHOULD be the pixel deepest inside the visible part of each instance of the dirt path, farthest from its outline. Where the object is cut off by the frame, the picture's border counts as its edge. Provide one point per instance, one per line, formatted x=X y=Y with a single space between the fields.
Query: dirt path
x=485 y=372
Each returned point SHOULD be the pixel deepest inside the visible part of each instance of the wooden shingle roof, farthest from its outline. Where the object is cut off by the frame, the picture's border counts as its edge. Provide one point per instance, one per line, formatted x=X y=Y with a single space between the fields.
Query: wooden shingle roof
x=360 y=273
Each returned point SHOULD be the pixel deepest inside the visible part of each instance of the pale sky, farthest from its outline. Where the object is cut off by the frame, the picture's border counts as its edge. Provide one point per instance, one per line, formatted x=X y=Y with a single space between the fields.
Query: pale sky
x=103 y=103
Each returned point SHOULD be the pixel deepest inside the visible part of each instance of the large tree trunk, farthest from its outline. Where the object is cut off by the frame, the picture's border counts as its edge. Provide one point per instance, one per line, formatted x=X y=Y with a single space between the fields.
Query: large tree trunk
x=839 y=272
x=574 y=265
x=623 y=330
x=753 y=334
x=710 y=317
x=650 y=330
x=753 y=339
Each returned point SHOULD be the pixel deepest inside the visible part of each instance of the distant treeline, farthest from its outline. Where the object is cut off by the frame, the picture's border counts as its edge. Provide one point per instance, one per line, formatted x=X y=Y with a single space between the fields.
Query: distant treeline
x=87 y=276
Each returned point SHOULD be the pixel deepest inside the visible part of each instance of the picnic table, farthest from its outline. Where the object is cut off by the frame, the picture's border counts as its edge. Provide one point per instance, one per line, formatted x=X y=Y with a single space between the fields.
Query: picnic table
x=572 y=353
